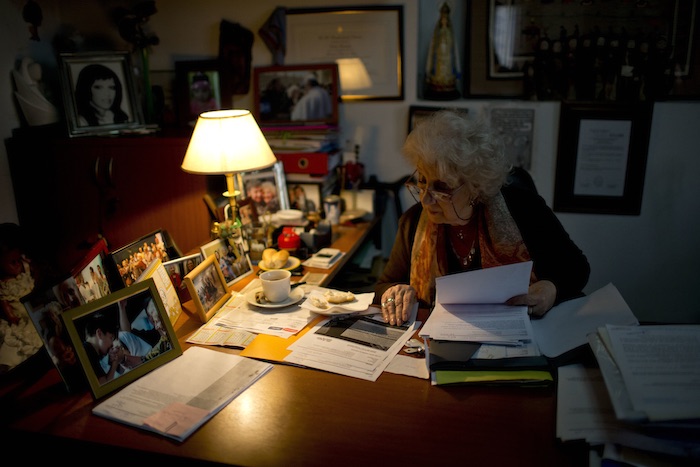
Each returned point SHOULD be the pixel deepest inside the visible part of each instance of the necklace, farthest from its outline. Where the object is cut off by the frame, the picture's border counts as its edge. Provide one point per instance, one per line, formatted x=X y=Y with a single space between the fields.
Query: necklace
x=463 y=242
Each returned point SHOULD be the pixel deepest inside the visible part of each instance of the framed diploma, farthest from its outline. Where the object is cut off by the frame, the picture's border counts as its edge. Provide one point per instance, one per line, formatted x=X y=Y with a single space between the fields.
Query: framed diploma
x=366 y=42
x=602 y=157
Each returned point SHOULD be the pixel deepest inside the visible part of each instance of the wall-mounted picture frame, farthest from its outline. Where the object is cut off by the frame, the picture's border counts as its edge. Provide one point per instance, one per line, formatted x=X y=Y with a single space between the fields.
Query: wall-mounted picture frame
x=418 y=112
x=200 y=86
x=207 y=288
x=602 y=156
x=620 y=51
x=365 y=41
x=99 y=93
x=267 y=189
x=134 y=318
x=131 y=260
x=296 y=94
x=178 y=268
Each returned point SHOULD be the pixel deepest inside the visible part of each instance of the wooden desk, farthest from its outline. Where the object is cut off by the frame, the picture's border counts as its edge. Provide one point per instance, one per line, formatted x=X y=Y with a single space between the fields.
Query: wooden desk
x=299 y=416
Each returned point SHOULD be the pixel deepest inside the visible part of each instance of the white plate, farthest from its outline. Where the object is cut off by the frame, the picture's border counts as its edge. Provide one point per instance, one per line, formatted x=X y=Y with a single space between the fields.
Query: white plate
x=296 y=295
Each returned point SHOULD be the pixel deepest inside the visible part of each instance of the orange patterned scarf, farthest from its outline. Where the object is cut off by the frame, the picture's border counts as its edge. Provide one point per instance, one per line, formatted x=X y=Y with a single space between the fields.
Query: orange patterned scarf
x=500 y=243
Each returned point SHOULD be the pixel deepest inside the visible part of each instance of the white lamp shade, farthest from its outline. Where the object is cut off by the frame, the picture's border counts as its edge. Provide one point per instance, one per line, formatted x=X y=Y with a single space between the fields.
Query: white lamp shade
x=227 y=141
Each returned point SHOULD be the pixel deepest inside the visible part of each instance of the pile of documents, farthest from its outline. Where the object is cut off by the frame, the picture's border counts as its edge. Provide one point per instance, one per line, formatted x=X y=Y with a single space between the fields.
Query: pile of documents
x=472 y=337
x=643 y=396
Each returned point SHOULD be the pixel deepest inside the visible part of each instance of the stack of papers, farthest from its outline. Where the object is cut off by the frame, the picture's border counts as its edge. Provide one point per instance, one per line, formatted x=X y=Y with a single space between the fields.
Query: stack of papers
x=651 y=372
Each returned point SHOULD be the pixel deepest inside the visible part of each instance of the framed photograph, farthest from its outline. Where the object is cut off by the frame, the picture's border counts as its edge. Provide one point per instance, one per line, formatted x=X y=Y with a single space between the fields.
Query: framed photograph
x=122 y=336
x=200 y=85
x=620 y=51
x=267 y=189
x=418 y=112
x=601 y=159
x=246 y=211
x=131 y=260
x=99 y=93
x=178 y=268
x=207 y=288
x=45 y=308
x=299 y=94
x=305 y=197
x=90 y=276
x=230 y=257
x=366 y=42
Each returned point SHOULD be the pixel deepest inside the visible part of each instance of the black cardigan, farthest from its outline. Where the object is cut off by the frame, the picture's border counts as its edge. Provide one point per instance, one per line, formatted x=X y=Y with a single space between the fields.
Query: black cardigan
x=555 y=256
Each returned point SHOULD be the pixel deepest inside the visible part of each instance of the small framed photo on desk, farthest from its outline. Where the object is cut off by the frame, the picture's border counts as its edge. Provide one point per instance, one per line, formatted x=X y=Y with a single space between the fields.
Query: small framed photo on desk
x=207 y=288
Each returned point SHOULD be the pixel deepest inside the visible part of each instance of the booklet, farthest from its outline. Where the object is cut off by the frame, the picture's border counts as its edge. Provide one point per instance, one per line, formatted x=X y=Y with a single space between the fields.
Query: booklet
x=182 y=395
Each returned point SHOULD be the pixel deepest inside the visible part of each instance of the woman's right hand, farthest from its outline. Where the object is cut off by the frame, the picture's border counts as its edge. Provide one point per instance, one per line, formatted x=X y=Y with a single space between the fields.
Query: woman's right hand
x=397 y=302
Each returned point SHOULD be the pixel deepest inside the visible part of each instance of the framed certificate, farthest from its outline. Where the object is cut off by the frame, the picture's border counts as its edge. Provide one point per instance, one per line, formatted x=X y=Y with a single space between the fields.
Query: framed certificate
x=365 y=42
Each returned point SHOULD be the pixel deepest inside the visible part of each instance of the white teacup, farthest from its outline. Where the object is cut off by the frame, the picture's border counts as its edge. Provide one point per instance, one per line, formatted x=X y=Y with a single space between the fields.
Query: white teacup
x=276 y=284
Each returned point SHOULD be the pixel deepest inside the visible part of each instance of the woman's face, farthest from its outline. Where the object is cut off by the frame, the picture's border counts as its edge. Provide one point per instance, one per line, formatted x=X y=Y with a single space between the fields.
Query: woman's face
x=103 y=92
x=454 y=209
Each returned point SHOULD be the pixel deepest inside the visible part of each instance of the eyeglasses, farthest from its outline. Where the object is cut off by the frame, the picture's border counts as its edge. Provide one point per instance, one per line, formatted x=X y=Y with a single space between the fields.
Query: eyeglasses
x=418 y=189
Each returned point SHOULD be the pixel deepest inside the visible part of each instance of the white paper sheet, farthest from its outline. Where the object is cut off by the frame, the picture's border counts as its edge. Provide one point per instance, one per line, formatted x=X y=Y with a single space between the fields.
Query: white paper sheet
x=660 y=367
x=566 y=326
x=484 y=286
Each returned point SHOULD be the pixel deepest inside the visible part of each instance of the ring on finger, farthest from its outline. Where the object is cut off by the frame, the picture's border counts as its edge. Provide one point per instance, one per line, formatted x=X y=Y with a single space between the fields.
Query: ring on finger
x=389 y=300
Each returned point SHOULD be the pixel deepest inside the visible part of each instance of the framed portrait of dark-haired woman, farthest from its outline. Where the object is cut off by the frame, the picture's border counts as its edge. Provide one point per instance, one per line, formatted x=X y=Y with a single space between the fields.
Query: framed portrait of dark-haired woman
x=99 y=94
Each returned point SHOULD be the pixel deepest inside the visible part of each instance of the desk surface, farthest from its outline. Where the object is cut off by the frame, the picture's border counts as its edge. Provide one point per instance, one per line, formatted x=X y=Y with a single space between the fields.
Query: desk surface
x=295 y=416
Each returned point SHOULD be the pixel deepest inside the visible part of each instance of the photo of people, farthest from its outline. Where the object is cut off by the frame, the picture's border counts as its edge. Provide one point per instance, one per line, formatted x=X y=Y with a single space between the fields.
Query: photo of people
x=266 y=190
x=45 y=309
x=208 y=286
x=297 y=93
x=230 y=257
x=120 y=336
x=204 y=92
x=99 y=95
x=304 y=198
x=132 y=260
x=89 y=278
x=178 y=268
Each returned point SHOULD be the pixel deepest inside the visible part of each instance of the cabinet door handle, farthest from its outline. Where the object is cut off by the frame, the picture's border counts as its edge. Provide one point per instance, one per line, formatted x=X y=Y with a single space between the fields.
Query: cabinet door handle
x=110 y=177
x=97 y=171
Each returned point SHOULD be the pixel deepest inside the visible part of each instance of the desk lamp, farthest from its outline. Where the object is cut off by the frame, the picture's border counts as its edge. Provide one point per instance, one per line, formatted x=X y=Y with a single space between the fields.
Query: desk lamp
x=227 y=142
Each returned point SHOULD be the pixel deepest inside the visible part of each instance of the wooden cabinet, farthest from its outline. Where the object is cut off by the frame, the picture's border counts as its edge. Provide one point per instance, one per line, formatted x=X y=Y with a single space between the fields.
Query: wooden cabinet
x=121 y=188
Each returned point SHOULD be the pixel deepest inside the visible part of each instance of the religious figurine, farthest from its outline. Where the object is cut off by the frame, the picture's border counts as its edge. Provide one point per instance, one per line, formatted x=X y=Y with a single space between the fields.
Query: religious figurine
x=442 y=68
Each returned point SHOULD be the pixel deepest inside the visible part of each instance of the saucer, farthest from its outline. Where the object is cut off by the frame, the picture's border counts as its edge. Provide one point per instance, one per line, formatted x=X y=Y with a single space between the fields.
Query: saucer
x=292 y=263
x=294 y=297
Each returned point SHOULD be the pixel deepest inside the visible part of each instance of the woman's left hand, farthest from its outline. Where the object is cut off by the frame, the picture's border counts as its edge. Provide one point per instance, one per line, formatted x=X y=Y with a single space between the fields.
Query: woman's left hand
x=539 y=298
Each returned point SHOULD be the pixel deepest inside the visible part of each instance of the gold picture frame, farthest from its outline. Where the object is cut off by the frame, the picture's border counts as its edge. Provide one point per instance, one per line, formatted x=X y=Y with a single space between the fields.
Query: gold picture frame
x=207 y=288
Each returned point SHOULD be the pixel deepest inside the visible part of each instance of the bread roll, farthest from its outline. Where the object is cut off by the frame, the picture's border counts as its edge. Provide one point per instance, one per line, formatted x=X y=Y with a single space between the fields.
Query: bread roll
x=280 y=258
x=267 y=255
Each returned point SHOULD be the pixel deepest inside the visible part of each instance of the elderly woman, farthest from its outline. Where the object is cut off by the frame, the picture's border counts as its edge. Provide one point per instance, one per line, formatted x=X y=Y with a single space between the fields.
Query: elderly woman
x=468 y=218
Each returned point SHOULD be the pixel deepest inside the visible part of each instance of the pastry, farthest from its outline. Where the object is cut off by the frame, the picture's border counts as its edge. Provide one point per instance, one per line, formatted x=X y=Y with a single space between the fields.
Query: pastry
x=337 y=297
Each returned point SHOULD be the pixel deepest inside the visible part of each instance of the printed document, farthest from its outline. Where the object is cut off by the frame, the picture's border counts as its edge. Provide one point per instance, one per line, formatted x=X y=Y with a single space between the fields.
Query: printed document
x=469 y=307
x=361 y=347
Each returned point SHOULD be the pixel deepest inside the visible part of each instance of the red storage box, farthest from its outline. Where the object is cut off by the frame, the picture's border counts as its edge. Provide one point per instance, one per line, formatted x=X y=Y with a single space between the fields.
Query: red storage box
x=312 y=163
